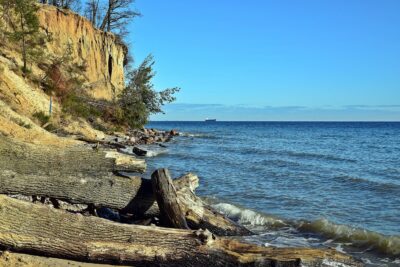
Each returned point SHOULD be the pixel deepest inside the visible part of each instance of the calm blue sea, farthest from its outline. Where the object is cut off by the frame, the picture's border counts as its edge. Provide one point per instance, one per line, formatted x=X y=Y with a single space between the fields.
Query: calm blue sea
x=317 y=184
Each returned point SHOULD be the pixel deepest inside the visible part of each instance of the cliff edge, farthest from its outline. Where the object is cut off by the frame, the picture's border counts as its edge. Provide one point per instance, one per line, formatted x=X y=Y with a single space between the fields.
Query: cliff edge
x=22 y=95
x=102 y=53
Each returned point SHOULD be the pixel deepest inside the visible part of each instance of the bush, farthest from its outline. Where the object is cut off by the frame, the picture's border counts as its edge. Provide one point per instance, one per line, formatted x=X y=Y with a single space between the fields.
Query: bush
x=78 y=106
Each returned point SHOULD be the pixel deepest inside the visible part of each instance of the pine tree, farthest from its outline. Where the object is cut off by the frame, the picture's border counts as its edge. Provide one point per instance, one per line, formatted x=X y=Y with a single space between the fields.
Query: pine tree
x=139 y=99
x=21 y=16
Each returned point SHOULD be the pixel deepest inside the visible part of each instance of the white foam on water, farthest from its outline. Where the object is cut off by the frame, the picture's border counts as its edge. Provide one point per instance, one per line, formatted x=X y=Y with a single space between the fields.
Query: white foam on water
x=357 y=237
x=338 y=236
x=246 y=216
x=155 y=153
x=331 y=263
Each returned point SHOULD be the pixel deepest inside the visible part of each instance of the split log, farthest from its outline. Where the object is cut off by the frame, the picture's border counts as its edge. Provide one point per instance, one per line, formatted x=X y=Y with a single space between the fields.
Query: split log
x=200 y=215
x=41 y=230
x=189 y=180
x=165 y=194
x=26 y=158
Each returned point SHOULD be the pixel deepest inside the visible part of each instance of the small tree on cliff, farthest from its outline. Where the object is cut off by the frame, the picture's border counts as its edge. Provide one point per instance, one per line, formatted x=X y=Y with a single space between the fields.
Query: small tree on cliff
x=21 y=16
x=70 y=4
x=92 y=11
x=118 y=15
x=139 y=99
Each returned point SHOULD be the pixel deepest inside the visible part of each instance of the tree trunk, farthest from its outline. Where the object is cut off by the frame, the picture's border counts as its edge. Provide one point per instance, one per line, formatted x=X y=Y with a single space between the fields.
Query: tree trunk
x=106 y=21
x=132 y=195
x=109 y=190
x=165 y=194
x=26 y=158
x=39 y=229
x=102 y=142
x=24 y=57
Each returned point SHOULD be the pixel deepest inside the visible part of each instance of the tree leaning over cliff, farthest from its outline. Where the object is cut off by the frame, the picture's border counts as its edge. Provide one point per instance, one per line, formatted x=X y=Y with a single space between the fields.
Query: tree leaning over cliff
x=139 y=99
x=21 y=16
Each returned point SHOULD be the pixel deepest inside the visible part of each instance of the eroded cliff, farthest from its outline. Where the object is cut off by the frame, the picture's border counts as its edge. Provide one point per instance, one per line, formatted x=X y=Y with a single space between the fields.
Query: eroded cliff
x=101 y=53
x=22 y=95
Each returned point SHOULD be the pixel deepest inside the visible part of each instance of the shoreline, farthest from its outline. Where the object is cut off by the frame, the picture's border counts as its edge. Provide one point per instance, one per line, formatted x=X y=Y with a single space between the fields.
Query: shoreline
x=374 y=244
x=360 y=238
x=153 y=137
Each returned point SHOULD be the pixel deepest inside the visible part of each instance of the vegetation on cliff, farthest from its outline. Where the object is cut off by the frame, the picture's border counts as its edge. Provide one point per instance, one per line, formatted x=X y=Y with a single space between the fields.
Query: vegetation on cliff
x=106 y=15
x=139 y=99
x=65 y=79
x=21 y=16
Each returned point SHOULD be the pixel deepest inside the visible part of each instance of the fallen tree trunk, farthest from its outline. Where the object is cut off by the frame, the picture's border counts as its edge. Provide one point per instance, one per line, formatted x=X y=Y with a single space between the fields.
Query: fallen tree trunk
x=167 y=200
x=26 y=158
x=9 y=258
x=101 y=142
x=132 y=195
x=38 y=229
x=107 y=190
x=200 y=215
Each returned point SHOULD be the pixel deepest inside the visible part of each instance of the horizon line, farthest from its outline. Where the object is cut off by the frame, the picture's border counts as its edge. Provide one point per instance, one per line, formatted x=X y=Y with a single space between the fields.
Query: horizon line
x=276 y=121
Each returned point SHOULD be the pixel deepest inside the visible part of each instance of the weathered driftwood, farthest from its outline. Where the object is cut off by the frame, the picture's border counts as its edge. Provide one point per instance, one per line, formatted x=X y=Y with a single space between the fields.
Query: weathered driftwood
x=26 y=158
x=39 y=229
x=165 y=194
x=101 y=142
x=189 y=180
x=132 y=195
x=15 y=259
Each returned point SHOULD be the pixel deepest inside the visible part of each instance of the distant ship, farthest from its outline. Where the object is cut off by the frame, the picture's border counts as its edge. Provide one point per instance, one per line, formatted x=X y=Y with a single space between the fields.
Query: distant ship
x=210 y=120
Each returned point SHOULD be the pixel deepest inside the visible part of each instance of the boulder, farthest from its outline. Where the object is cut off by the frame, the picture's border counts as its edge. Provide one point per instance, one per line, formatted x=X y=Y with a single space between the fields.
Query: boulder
x=174 y=133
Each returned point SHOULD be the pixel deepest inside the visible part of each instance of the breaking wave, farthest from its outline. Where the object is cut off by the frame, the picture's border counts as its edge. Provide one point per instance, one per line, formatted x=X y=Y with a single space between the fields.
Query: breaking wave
x=155 y=153
x=356 y=237
x=389 y=245
x=247 y=216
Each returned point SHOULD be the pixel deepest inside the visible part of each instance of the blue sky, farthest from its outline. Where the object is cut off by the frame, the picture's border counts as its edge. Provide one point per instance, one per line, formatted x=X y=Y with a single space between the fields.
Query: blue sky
x=274 y=60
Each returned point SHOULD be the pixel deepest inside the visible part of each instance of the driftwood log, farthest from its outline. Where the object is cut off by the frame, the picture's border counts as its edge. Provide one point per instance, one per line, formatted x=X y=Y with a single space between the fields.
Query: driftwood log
x=132 y=195
x=26 y=158
x=165 y=194
x=84 y=176
x=101 y=142
x=41 y=230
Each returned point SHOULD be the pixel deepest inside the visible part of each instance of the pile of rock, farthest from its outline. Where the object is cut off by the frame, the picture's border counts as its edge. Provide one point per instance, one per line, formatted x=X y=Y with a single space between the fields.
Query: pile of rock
x=151 y=136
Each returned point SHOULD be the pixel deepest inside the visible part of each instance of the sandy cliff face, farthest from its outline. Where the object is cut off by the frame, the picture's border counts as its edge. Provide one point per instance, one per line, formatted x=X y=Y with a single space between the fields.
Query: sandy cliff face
x=100 y=52
x=21 y=96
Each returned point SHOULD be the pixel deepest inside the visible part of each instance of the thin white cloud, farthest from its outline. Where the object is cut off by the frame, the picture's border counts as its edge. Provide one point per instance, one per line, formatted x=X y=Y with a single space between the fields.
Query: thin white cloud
x=182 y=111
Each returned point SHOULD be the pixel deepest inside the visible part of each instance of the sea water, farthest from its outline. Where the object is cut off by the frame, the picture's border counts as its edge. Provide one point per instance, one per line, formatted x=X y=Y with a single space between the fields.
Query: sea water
x=305 y=184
